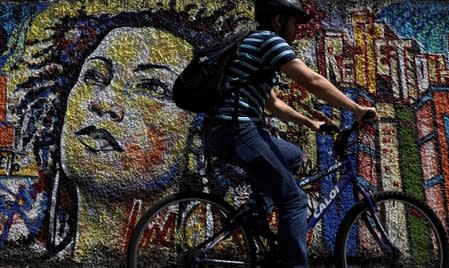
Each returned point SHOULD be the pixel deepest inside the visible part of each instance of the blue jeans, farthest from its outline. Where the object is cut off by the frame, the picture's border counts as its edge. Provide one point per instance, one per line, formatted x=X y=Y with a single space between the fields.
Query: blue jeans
x=270 y=163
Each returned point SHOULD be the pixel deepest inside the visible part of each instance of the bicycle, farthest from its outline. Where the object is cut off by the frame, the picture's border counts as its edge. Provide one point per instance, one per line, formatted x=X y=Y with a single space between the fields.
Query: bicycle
x=197 y=229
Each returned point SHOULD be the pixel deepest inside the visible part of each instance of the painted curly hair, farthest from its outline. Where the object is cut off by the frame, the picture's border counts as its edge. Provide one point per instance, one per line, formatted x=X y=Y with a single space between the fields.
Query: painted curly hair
x=56 y=65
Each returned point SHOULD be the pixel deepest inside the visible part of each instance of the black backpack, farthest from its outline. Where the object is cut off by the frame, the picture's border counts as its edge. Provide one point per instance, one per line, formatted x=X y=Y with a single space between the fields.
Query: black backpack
x=200 y=86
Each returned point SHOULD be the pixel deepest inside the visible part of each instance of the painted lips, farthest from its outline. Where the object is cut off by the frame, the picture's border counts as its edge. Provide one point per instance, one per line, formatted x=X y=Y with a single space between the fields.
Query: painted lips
x=98 y=140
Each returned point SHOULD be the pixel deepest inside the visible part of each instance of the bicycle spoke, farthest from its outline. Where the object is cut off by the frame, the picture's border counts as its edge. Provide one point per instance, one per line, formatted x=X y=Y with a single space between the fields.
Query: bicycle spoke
x=188 y=233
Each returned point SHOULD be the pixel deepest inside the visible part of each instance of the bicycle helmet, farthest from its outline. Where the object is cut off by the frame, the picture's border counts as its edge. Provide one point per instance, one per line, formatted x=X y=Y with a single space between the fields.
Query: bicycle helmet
x=266 y=9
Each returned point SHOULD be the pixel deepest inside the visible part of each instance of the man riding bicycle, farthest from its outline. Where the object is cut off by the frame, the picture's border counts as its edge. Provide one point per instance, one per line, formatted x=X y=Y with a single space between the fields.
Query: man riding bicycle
x=237 y=129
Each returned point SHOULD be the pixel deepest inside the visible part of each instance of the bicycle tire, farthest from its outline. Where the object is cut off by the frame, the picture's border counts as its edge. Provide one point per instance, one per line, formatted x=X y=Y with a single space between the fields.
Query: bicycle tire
x=179 y=222
x=411 y=225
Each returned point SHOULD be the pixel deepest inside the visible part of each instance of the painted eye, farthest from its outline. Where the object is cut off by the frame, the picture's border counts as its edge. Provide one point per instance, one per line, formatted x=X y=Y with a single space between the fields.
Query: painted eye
x=94 y=77
x=152 y=88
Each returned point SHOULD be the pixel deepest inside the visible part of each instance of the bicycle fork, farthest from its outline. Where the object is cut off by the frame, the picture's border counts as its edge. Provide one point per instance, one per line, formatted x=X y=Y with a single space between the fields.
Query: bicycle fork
x=374 y=224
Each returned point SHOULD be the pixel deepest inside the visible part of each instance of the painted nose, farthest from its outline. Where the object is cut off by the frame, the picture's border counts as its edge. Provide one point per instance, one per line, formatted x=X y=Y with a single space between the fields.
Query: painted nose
x=114 y=111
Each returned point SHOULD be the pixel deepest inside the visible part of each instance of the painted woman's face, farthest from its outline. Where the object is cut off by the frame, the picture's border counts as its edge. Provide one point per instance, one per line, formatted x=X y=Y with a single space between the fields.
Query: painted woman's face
x=121 y=126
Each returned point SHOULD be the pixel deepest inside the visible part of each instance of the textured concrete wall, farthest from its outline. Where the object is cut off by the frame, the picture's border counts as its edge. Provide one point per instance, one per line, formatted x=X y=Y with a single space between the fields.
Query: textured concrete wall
x=72 y=71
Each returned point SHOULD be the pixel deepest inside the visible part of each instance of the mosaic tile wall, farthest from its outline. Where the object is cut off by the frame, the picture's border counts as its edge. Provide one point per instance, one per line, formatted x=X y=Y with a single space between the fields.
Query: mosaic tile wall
x=74 y=71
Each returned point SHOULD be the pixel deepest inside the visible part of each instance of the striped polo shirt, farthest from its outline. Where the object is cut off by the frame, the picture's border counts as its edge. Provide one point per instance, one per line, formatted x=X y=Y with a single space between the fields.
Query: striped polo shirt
x=261 y=50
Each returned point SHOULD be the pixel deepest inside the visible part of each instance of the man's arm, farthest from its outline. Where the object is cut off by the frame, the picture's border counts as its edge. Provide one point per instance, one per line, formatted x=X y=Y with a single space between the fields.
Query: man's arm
x=282 y=110
x=322 y=88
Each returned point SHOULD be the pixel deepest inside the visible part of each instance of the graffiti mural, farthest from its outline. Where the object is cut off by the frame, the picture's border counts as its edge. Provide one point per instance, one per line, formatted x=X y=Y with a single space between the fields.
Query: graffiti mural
x=89 y=136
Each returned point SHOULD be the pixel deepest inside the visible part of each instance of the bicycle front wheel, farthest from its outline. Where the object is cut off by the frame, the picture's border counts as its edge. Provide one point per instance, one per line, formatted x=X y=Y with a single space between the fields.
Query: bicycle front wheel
x=172 y=234
x=407 y=234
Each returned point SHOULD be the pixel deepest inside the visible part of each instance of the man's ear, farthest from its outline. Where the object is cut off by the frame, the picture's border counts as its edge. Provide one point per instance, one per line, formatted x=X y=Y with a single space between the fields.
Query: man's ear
x=276 y=23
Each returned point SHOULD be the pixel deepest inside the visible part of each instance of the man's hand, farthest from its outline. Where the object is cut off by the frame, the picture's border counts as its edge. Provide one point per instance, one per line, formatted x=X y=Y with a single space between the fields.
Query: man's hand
x=316 y=125
x=367 y=114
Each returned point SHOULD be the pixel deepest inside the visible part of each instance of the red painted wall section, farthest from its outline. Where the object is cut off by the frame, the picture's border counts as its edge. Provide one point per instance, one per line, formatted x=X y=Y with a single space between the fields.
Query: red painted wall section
x=442 y=109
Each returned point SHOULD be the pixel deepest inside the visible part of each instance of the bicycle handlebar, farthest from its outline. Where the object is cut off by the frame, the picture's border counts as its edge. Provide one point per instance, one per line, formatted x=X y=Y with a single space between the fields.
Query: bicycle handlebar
x=368 y=118
x=341 y=142
x=331 y=129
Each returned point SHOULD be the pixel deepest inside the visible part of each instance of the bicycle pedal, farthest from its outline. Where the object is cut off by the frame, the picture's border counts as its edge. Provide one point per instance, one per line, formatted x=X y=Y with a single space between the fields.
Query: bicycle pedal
x=271 y=260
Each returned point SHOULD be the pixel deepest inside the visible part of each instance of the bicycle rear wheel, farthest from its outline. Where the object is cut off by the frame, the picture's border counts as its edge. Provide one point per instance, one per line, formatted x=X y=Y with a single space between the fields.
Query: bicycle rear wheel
x=417 y=235
x=170 y=233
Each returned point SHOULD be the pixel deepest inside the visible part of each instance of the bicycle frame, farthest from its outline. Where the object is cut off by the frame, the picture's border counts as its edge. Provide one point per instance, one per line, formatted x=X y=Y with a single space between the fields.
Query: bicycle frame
x=195 y=253
x=337 y=188
x=349 y=178
x=232 y=233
